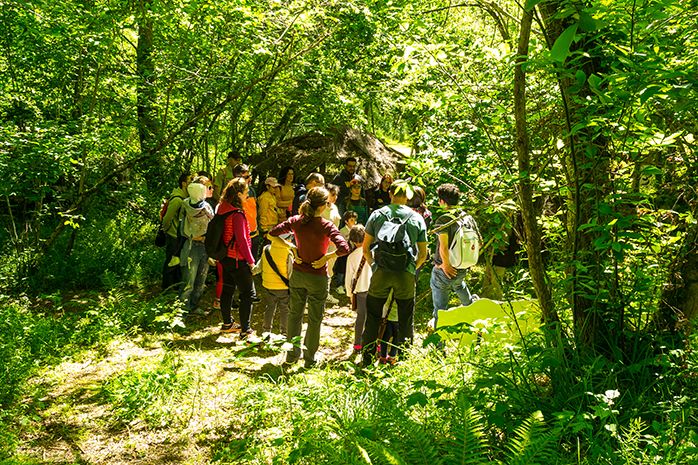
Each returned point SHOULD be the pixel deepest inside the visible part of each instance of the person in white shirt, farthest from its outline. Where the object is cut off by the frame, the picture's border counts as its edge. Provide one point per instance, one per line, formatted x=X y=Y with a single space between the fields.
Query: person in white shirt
x=356 y=282
x=331 y=213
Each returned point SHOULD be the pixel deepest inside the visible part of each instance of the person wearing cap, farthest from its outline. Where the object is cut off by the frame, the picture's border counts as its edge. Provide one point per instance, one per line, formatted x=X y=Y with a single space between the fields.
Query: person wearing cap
x=383 y=281
x=267 y=207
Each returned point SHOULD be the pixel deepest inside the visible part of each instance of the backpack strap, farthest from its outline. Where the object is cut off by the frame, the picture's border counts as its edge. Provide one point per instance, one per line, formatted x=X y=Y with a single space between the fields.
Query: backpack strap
x=270 y=260
x=355 y=280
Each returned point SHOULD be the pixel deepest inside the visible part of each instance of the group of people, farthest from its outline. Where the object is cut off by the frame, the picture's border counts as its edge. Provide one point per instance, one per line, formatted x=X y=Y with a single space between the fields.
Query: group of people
x=298 y=238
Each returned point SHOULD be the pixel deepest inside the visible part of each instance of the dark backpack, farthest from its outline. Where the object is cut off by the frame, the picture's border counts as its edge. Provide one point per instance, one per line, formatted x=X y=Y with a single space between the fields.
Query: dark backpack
x=394 y=250
x=216 y=247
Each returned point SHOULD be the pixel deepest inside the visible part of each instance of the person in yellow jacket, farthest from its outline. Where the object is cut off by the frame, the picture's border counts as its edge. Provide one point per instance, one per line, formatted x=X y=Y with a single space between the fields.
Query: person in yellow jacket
x=267 y=206
x=275 y=291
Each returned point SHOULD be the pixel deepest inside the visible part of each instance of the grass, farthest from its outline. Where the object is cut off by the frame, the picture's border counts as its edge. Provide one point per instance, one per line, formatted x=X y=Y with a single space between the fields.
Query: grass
x=160 y=393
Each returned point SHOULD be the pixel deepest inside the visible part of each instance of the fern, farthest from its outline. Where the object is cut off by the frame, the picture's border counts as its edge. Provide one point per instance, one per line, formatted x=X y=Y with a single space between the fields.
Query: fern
x=467 y=445
x=531 y=444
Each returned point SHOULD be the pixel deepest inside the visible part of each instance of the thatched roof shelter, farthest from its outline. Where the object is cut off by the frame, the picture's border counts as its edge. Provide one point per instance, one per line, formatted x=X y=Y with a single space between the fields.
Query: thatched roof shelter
x=325 y=153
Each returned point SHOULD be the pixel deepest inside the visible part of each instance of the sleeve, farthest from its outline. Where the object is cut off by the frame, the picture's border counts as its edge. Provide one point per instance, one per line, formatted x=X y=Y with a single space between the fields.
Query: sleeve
x=282 y=228
x=349 y=275
x=338 y=240
x=371 y=223
x=242 y=246
x=218 y=181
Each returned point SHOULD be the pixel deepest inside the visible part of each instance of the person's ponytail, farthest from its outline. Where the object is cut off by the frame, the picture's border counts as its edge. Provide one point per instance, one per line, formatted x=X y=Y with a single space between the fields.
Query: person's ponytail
x=315 y=199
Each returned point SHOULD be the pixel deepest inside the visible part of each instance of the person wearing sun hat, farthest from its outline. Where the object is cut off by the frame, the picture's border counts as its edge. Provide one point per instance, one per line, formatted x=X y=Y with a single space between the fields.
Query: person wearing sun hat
x=400 y=282
x=267 y=207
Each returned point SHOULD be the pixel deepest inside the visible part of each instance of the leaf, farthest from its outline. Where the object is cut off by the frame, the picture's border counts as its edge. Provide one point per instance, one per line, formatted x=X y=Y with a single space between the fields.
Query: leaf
x=594 y=83
x=417 y=398
x=561 y=48
x=586 y=22
x=649 y=91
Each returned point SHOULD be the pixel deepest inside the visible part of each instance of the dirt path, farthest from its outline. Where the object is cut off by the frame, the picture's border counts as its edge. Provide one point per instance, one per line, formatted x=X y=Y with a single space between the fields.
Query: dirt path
x=74 y=423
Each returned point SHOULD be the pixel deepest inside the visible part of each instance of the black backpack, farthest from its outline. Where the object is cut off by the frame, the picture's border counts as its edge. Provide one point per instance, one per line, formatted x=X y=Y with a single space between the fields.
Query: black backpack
x=394 y=249
x=216 y=247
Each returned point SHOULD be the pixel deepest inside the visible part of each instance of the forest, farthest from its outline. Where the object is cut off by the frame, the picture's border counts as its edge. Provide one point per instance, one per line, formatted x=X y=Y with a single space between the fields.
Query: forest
x=568 y=126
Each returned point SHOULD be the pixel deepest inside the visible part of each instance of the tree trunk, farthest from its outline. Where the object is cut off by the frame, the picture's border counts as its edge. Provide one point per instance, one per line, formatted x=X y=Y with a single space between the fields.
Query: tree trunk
x=145 y=68
x=597 y=315
x=532 y=232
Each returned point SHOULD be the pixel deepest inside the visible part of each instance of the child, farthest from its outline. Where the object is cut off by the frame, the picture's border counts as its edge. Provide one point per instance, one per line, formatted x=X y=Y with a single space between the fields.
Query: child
x=388 y=343
x=357 y=281
x=331 y=213
x=275 y=292
x=356 y=202
x=349 y=220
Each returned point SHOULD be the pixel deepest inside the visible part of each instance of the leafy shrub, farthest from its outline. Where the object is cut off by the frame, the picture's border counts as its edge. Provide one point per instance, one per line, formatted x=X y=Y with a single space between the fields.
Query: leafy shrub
x=110 y=251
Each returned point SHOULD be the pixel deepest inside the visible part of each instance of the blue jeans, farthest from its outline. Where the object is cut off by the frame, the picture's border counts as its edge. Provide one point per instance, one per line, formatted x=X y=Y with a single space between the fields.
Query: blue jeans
x=194 y=263
x=441 y=287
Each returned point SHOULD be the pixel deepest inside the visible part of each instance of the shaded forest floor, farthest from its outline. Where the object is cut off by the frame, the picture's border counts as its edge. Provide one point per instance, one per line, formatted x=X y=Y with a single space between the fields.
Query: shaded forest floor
x=162 y=397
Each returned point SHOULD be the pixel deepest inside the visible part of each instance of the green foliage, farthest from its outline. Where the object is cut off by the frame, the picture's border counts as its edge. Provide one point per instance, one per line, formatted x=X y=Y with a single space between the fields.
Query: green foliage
x=108 y=252
x=152 y=395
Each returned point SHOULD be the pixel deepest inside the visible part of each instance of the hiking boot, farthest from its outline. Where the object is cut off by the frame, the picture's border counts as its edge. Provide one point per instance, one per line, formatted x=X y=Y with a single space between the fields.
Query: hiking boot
x=245 y=334
x=230 y=328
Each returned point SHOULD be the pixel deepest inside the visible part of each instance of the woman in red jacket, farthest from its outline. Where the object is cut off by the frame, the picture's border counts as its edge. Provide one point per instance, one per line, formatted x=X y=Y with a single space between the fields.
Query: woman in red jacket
x=309 y=279
x=237 y=266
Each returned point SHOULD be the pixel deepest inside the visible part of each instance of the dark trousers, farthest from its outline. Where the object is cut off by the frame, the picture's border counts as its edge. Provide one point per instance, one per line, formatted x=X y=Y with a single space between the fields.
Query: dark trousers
x=237 y=274
x=389 y=340
x=171 y=275
x=374 y=313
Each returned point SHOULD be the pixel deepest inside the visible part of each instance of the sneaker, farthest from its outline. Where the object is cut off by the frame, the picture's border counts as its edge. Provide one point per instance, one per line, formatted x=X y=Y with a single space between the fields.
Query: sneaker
x=217 y=304
x=340 y=290
x=230 y=328
x=332 y=300
x=245 y=334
